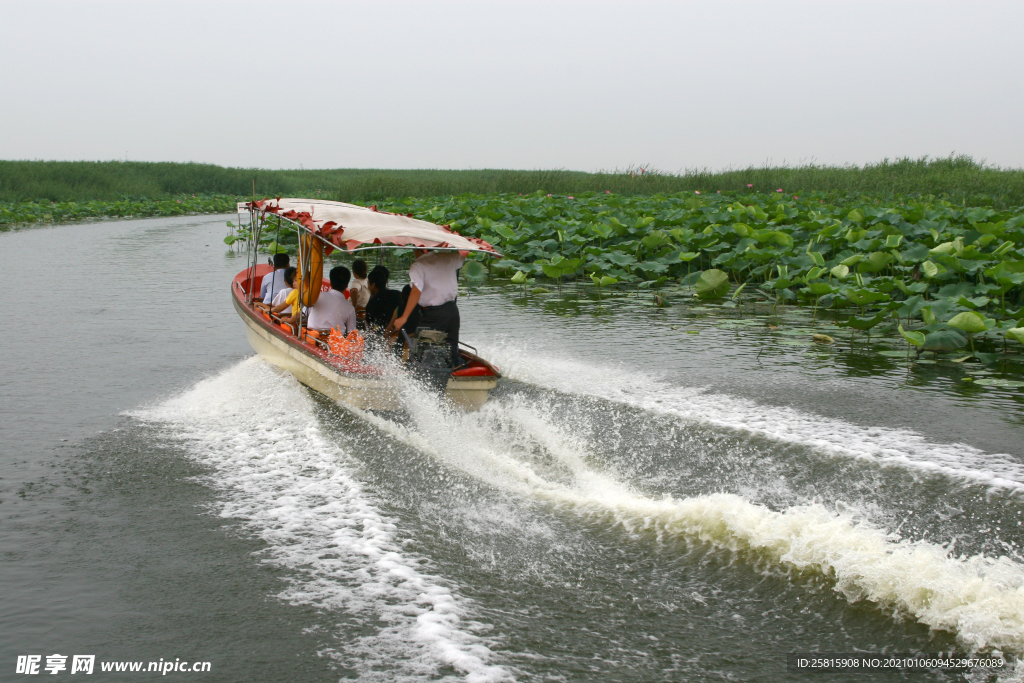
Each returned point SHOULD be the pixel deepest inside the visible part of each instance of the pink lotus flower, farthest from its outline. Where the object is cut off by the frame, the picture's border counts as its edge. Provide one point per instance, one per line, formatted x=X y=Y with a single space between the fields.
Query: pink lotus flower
x=750 y=184
x=178 y=200
x=607 y=191
x=549 y=195
x=779 y=190
x=696 y=191
x=795 y=197
x=571 y=197
x=718 y=191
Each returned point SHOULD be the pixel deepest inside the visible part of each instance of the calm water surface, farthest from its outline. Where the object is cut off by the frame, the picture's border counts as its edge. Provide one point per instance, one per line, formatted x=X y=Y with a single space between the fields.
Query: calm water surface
x=652 y=494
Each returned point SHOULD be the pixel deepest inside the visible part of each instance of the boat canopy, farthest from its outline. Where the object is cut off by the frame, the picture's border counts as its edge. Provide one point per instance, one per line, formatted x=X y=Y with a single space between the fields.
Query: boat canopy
x=351 y=227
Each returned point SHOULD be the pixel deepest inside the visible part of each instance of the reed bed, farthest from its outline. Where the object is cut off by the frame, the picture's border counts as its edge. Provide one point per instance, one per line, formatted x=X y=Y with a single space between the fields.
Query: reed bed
x=960 y=179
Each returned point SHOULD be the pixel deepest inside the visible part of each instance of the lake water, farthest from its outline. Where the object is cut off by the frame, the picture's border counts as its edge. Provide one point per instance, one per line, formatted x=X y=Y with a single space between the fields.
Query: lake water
x=650 y=495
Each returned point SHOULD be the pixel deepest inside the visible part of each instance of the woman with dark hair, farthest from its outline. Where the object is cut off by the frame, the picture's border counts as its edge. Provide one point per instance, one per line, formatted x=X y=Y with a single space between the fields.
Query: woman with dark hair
x=358 y=287
x=381 y=307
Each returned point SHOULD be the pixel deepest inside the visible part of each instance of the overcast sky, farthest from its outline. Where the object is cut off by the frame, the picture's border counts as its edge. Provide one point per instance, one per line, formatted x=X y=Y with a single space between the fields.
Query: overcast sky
x=587 y=86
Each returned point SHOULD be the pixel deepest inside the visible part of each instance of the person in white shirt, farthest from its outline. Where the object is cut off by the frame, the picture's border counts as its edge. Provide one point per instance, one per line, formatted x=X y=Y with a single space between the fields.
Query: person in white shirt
x=274 y=283
x=280 y=297
x=435 y=287
x=359 y=287
x=332 y=309
x=281 y=304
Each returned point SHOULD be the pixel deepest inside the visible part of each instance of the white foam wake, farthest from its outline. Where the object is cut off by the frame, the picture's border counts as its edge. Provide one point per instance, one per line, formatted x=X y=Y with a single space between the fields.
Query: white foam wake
x=885 y=446
x=979 y=599
x=296 y=490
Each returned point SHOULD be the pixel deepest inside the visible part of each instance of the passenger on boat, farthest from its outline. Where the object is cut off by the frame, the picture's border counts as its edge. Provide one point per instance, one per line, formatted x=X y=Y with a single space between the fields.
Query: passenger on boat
x=274 y=283
x=359 y=288
x=434 y=288
x=279 y=305
x=414 y=318
x=380 y=309
x=332 y=309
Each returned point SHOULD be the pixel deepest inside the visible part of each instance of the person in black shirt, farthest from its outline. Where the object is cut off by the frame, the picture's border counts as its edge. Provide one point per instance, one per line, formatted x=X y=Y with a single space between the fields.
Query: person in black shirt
x=414 y=317
x=383 y=301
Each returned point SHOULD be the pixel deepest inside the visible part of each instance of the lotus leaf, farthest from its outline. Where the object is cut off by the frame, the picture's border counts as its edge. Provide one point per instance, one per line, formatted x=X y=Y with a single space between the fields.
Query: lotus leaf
x=620 y=259
x=956 y=290
x=930 y=269
x=975 y=302
x=505 y=232
x=815 y=273
x=915 y=338
x=816 y=258
x=551 y=271
x=944 y=340
x=852 y=260
x=946 y=248
x=712 y=284
x=993 y=382
x=820 y=288
x=782 y=238
x=863 y=297
x=862 y=324
x=654 y=239
x=651 y=284
x=893 y=241
x=1016 y=333
x=856 y=216
x=840 y=271
x=915 y=252
x=652 y=266
x=968 y=321
x=519 y=278
x=474 y=269
x=875 y=262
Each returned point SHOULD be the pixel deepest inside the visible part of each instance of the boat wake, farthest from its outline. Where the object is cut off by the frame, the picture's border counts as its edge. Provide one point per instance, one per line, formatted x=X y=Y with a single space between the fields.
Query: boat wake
x=835 y=438
x=255 y=428
x=297 y=489
x=517 y=446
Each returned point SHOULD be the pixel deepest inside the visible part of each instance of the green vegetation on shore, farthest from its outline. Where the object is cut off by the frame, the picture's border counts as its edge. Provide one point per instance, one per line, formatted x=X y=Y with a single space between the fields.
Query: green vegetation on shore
x=943 y=276
x=28 y=213
x=959 y=179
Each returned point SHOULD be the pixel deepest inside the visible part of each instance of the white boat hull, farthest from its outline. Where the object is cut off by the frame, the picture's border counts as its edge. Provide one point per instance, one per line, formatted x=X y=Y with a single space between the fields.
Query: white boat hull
x=358 y=391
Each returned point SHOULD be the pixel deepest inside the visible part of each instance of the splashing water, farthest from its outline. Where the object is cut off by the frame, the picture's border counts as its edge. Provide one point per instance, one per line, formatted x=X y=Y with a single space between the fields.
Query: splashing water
x=831 y=437
x=979 y=599
x=294 y=489
x=298 y=491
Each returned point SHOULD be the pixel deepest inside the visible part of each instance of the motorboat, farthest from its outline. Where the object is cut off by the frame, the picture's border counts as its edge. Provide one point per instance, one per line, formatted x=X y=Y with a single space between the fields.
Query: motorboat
x=321 y=227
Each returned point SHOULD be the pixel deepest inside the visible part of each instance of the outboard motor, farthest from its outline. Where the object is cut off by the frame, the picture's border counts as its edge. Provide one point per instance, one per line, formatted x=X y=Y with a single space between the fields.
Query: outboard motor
x=431 y=358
